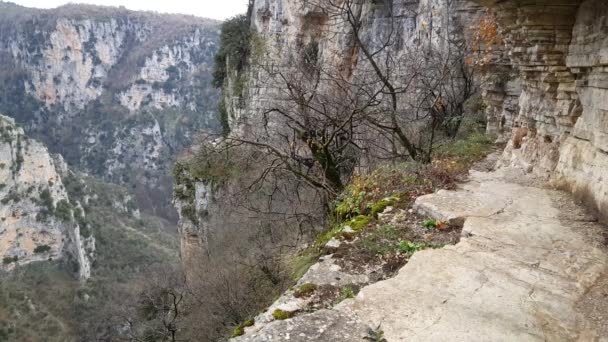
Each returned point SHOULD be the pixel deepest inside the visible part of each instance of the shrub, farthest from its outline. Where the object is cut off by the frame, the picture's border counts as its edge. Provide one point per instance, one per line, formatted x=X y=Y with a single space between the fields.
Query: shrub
x=46 y=200
x=234 y=48
x=10 y=260
x=42 y=249
x=64 y=211
x=223 y=117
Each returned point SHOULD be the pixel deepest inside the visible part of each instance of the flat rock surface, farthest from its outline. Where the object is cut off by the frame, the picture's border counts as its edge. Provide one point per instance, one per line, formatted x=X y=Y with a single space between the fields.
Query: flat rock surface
x=530 y=267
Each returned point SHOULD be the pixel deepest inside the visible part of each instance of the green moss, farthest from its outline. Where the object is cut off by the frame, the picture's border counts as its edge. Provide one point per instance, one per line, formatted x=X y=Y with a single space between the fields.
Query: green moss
x=281 y=314
x=352 y=203
x=359 y=222
x=306 y=290
x=238 y=331
x=382 y=204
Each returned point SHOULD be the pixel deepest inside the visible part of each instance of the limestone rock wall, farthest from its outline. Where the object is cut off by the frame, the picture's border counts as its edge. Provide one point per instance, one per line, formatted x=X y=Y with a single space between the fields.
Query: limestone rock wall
x=559 y=49
x=38 y=220
x=583 y=159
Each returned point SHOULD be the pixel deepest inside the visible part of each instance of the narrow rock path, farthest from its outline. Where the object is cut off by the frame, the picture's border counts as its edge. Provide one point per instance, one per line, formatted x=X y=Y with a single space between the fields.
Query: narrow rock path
x=531 y=266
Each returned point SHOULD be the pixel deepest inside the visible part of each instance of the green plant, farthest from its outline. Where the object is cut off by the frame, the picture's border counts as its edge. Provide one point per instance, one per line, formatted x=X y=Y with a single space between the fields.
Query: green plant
x=234 y=48
x=281 y=314
x=411 y=247
x=306 y=290
x=430 y=224
x=249 y=323
x=64 y=211
x=223 y=116
x=345 y=293
x=375 y=335
x=46 y=200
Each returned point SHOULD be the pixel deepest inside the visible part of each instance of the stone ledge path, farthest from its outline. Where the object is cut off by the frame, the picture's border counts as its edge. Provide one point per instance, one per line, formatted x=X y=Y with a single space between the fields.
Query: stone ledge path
x=527 y=263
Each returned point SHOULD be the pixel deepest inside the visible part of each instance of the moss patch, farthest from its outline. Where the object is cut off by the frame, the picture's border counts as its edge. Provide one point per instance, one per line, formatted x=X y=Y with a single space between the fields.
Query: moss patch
x=281 y=314
x=381 y=205
x=306 y=290
x=238 y=331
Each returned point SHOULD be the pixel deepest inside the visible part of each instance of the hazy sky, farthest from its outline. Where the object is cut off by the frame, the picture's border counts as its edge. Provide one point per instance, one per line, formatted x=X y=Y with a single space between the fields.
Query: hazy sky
x=216 y=9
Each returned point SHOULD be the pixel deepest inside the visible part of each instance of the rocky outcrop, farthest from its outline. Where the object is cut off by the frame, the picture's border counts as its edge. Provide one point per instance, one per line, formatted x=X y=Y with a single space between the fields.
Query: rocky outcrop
x=558 y=50
x=117 y=93
x=38 y=220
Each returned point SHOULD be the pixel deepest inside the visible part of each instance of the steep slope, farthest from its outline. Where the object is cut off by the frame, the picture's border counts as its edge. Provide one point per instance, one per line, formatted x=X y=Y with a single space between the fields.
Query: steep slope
x=39 y=221
x=117 y=93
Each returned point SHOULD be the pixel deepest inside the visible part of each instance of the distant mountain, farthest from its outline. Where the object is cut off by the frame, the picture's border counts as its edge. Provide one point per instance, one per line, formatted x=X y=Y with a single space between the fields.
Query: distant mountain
x=117 y=93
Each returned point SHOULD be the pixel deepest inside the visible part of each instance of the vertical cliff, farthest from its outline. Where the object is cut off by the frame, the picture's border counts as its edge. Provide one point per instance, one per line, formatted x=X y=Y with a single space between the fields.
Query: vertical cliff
x=557 y=50
x=38 y=220
x=117 y=93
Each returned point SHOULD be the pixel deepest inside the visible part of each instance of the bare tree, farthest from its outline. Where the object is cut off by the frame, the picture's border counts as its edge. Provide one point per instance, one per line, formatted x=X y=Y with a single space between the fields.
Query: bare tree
x=158 y=311
x=422 y=85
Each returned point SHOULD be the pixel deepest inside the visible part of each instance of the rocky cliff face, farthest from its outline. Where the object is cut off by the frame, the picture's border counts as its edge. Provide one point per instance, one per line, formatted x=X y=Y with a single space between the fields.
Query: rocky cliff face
x=117 y=93
x=558 y=50
x=544 y=85
x=285 y=30
x=38 y=220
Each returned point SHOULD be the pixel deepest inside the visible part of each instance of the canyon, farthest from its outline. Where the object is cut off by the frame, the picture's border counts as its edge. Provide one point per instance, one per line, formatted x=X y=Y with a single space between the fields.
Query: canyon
x=253 y=169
